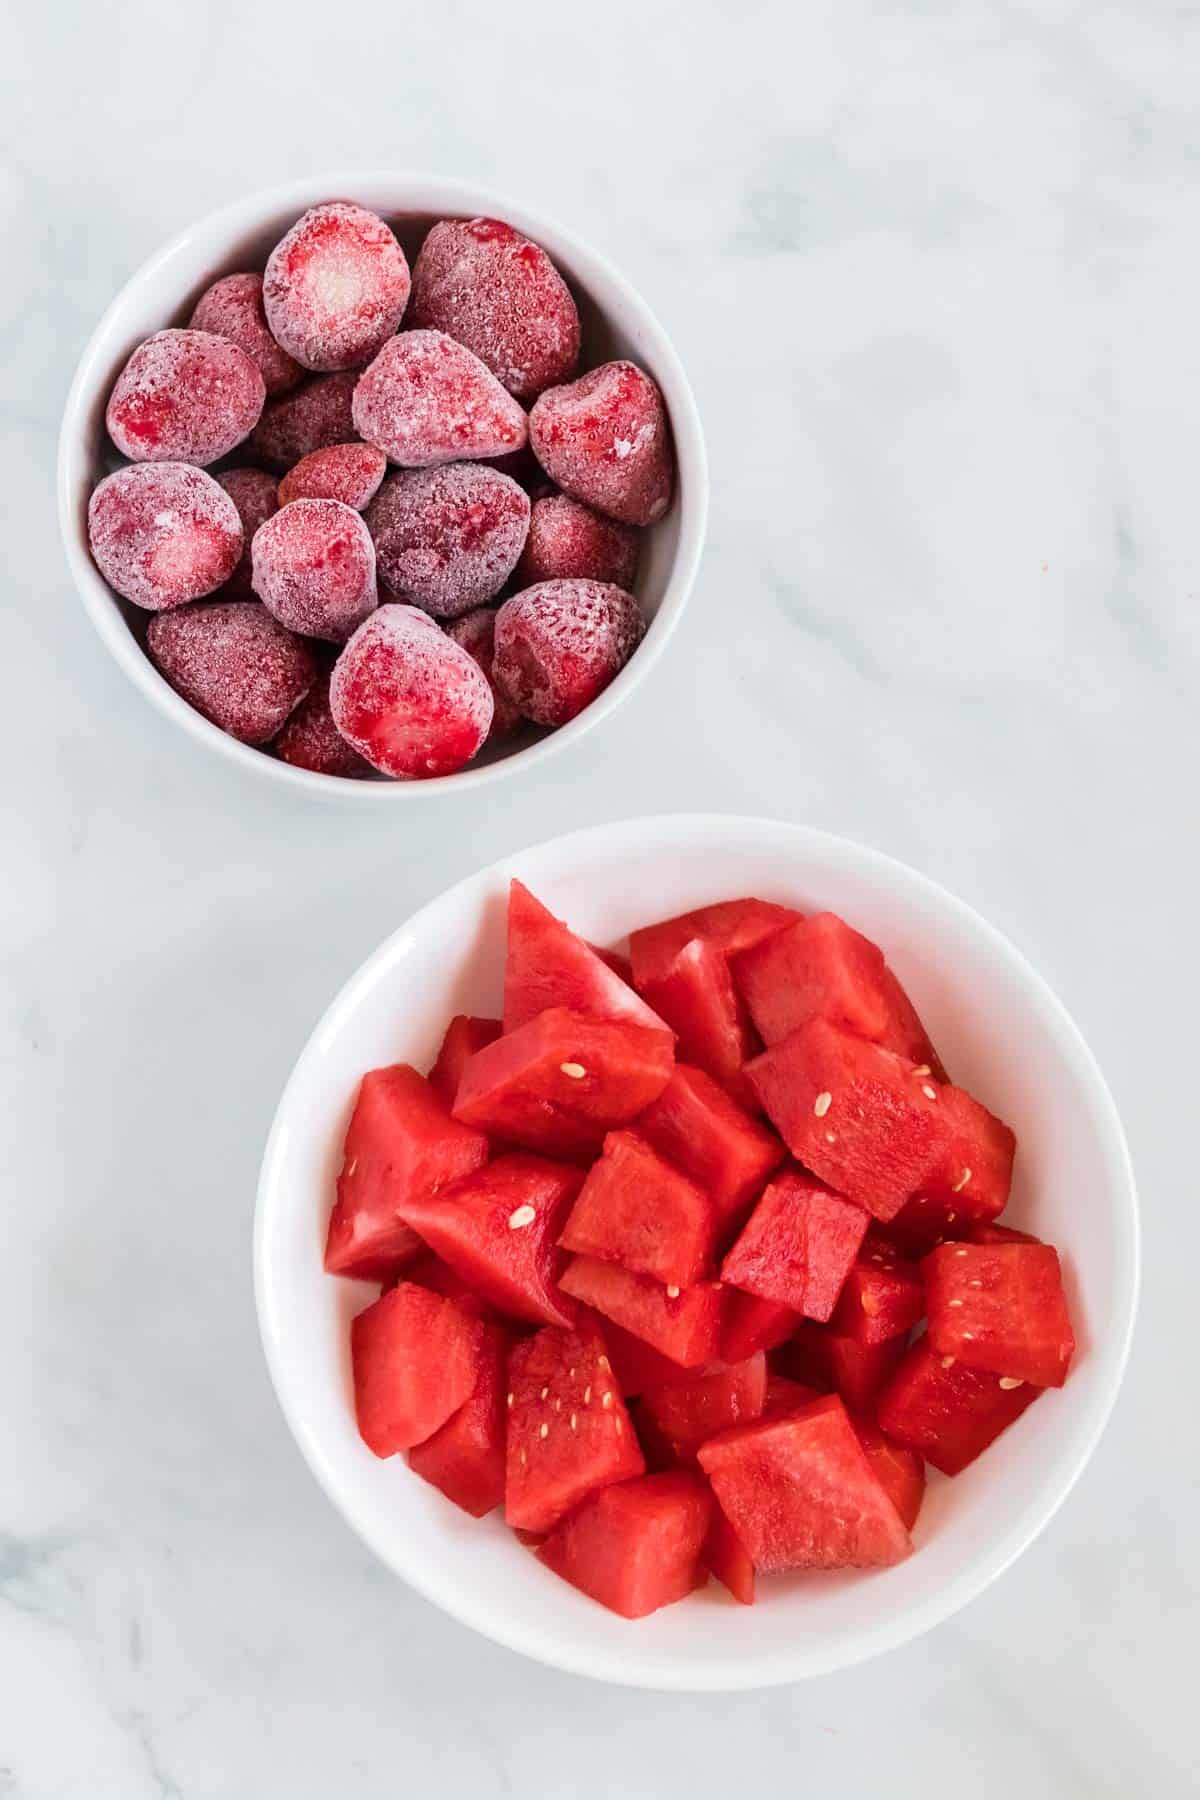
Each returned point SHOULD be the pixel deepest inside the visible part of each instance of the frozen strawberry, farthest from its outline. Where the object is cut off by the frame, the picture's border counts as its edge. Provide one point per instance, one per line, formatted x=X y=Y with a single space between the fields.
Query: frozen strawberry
x=163 y=533
x=311 y=740
x=314 y=568
x=491 y=289
x=408 y=698
x=605 y=440
x=233 y=308
x=316 y=416
x=476 y=632
x=447 y=538
x=568 y=541
x=184 y=396
x=559 y=644
x=234 y=663
x=350 y=473
x=335 y=287
x=426 y=400
x=256 y=496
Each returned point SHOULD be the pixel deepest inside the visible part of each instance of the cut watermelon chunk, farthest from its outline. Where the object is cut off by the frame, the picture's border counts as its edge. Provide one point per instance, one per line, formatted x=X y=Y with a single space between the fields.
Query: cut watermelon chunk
x=696 y=1125
x=498 y=1228
x=801 y=1494
x=900 y=1470
x=971 y=1183
x=402 y=1145
x=464 y=1036
x=852 y=1369
x=684 y=1325
x=884 y=1295
x=637 y=1546
x=415 y=1358
x=785 y=1396
x=1000 y=1307
x=561 y=1082
x=749 y=1324
x=819 y=968
x=465 y=1459
x=730 y=925
x=636 y=1209
x=946 y=1412
x=692 y=1408
x=548 y=966
x=798 y=1247
x=429 y=1271
x=568 y=1430
x=697 y=998
x=727 y=1558
x=860 y=1117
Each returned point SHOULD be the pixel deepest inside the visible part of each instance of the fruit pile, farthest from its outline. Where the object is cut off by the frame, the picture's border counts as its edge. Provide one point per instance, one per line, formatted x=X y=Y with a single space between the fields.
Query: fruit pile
x=670 y=1338
x=328 y=591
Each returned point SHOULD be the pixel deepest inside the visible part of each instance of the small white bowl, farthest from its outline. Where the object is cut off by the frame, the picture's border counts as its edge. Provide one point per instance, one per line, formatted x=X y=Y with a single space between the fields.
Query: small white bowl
x=1003 y=1035
x=616 y=323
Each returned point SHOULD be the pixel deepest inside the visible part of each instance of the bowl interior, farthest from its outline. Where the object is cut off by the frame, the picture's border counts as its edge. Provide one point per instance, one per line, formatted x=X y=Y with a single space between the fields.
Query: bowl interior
x=1003 y=1036
x=616 y=323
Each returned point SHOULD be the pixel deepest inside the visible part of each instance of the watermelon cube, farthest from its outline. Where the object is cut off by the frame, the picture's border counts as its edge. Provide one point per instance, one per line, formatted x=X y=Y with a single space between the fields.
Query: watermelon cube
x=682 y=1323
x=635 y=1208
x=636 y=1546
x=883 y=1297
x=798 y=1246
x=749 y=1324
x=786 y=1396
x=900 y=1470
x=561 y=1082
x=1000 y=1307
x=402 y=1145
x=731 y=1155
x=464 y=1036
x=731 y=925
x=969 y=1186
x=568 y=1430
x=698 y=1000
x=820 y=968
x=801 y=1494
x=465 y=1459
x=830 y=1359
x=415 y=1359
x=861 y=1118
x=727 y=1558
x=498 y=1229
x=946 y=1412
x=692 y=1408
x=548 y=966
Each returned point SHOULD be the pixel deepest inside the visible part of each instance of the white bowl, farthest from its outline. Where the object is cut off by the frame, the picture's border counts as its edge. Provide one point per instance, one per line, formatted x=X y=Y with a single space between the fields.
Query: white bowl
x=616 y=322
x=1002 y=1034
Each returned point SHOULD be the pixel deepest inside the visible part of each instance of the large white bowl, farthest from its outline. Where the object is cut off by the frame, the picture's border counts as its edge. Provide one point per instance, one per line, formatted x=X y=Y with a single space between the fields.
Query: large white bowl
x=616 y=323
x=1003 y=1035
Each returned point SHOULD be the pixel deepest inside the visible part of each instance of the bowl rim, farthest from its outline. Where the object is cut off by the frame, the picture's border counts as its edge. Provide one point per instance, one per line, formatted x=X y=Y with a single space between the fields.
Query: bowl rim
x=444 y=194
x=523 y=1634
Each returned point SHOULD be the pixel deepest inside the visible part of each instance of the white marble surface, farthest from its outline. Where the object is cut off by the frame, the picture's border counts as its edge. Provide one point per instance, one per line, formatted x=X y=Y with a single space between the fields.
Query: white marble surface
x=933 y=269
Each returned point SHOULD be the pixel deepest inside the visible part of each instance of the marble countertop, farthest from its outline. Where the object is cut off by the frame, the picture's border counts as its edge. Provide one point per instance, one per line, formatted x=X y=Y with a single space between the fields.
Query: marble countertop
x=933 y=270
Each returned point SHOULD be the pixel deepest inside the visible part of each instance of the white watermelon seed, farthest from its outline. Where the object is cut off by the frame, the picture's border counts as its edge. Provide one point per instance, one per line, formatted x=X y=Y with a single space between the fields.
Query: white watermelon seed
x=956 y=1303
x=575 y=1070
x=572 y=1421
x=544 y=1431
x=602 y=1362
x=524 y=1215
x=1008 y=1382
x=950 y=1218
x=606 y=1397
x=672 y=1293
x=822 y=1104
x=930 y=1093
x=512 y=1399
x=922 y=1069
x=587 y=1394
x=830 y=1138
x=962 y=1181
x=351 y=1169
x=545 y=1393
x=947 y=1362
